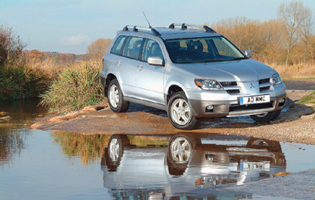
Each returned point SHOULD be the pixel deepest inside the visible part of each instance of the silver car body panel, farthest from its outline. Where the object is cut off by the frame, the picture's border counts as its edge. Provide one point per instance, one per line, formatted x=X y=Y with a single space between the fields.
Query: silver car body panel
x=149 y=84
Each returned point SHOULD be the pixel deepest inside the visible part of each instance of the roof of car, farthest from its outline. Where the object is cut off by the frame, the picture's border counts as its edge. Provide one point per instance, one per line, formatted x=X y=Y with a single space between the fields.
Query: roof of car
x=186 y=31
x=167 y=33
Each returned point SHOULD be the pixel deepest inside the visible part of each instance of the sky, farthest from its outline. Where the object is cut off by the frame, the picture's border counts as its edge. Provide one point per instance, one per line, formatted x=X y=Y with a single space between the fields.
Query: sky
x=70 y=26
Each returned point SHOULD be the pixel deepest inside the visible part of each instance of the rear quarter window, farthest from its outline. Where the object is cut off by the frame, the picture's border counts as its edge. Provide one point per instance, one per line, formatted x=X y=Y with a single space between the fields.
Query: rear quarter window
x=132 y=48
x=119 y=44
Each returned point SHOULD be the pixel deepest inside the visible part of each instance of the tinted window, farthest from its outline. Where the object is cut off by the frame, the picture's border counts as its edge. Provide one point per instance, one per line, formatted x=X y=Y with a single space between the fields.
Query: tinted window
x=117 y=48
x=151 y=49
x=132 y=48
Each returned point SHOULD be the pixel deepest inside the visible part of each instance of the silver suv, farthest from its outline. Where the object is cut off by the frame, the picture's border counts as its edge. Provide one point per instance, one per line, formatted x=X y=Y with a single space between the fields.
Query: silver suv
x=191 y=72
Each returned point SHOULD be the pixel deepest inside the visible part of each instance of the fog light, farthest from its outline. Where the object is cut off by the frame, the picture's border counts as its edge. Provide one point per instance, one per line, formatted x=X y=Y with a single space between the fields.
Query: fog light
x=209 y=157
x=281 y=102
x=209 y=108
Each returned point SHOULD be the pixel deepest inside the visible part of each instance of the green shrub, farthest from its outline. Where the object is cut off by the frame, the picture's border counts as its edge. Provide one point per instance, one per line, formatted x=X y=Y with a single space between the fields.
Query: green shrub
x=18 y=81
x=76 y=87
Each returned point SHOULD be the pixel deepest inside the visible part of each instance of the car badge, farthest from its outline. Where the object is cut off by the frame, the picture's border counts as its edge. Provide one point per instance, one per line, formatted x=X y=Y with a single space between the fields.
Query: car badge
x=252 y=86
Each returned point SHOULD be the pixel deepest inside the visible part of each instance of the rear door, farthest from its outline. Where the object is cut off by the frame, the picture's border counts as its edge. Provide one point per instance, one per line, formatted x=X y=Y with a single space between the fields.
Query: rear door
x=127 y=65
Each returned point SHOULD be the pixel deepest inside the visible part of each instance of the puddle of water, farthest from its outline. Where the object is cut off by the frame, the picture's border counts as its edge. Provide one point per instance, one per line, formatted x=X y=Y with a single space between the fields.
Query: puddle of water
x=71 y=166
x=50 y=165
x=23 y=111
x=300 y=157
x=14 y=131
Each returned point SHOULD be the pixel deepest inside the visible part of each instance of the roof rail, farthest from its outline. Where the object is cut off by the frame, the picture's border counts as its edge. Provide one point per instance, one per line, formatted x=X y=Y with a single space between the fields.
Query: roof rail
x=184 y=26
x=138 y=28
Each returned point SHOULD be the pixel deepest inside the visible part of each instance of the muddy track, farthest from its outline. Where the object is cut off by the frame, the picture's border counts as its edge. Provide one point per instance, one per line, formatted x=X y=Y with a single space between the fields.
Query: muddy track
x=295 y=124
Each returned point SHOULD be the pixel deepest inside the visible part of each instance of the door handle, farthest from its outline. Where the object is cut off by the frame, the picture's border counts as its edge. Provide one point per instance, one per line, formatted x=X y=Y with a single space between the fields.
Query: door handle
x=140 y=67
x=119 y=63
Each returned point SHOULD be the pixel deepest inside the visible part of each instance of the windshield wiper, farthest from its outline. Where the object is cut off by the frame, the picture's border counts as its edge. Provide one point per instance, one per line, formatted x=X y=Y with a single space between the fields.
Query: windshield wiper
x=239 y=58
x=215 y=60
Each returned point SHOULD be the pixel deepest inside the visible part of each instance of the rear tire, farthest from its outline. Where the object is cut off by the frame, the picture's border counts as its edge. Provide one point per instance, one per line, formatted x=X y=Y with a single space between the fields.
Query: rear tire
x=180 y=113
x=116 y=98
x=266 y=117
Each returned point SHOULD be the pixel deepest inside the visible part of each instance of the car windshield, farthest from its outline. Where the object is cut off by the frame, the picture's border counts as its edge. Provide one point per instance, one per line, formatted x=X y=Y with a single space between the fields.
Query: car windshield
x=196 y=50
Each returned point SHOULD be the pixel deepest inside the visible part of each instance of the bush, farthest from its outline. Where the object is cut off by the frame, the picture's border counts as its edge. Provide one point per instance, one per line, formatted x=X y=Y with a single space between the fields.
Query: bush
x=21 y=81
x=76 y=87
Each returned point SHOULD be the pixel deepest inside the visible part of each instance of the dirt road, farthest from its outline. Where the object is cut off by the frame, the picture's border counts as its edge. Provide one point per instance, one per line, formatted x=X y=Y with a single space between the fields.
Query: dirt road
x=305 y=84
x=295 y=124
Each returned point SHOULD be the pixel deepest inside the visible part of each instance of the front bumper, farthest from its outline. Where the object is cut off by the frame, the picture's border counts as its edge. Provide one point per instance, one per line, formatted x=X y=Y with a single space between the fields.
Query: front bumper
x=225 y=105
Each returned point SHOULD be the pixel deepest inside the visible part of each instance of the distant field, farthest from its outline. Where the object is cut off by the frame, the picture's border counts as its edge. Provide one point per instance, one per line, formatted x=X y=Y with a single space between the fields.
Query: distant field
x=299 y=71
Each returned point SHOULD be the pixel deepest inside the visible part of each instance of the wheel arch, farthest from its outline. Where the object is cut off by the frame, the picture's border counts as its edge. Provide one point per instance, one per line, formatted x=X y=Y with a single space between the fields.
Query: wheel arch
x=108 y=80
x=172 y=89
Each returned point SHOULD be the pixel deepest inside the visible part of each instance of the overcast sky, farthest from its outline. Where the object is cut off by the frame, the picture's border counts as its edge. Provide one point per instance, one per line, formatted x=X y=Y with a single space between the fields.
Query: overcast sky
x=69 y=26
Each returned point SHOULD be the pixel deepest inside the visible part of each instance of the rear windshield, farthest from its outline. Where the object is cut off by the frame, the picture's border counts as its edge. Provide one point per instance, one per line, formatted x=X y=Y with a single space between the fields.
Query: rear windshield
x=196 y=50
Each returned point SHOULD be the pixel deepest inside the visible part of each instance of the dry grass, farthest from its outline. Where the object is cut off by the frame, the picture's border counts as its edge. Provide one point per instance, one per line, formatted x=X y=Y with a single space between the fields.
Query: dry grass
x=76 y=86
x=297 y=71
x=51 y=68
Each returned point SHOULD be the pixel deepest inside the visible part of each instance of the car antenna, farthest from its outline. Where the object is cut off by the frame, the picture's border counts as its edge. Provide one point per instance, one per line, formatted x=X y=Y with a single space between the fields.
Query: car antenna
x=147 y=19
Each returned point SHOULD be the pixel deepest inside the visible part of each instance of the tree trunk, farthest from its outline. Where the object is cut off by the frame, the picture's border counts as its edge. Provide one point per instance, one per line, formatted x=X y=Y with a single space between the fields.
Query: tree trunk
x=9 y=44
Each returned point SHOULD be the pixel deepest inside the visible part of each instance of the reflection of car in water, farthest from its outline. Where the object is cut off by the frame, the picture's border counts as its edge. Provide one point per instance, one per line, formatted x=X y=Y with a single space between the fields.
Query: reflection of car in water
x=186 y=166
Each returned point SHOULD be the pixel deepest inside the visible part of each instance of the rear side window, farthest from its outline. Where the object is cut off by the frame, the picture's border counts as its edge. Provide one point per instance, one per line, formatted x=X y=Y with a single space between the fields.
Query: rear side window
x=117 y=48
x=132 y=48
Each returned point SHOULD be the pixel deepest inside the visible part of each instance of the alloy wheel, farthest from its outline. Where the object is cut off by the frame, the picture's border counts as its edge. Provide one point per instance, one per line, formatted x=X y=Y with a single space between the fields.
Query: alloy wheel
x=180 y=150
x=180 y=111
x=114 y=96
x=114 y=149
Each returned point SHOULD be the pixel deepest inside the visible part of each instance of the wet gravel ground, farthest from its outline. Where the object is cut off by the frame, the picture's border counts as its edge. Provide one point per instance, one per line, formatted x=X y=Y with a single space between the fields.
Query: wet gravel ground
x=295 y=124
x=299 y=185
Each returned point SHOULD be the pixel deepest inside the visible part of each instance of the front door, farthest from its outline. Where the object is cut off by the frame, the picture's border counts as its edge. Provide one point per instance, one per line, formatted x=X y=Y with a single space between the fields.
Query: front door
x=149 y=78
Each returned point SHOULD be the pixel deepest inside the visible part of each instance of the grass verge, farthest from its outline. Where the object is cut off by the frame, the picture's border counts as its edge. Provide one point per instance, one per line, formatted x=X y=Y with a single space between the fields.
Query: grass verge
x=309 y=99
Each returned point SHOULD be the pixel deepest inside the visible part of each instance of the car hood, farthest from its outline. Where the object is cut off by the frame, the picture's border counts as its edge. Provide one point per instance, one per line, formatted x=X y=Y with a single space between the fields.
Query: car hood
x=242 y=70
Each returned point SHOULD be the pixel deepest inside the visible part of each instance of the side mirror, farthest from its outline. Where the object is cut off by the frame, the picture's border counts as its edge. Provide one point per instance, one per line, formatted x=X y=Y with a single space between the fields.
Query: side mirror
x=155 y=61
x=248 y=53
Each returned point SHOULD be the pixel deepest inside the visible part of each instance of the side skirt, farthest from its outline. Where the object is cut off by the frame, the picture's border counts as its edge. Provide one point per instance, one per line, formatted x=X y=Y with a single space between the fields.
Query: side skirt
x=146 y=103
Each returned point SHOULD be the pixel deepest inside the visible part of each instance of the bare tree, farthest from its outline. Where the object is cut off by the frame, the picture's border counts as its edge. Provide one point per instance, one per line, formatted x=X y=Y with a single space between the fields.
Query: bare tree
x=292 y=16
x=10 y=45
x=306 y=30
x=273 y=38
x=98 y=48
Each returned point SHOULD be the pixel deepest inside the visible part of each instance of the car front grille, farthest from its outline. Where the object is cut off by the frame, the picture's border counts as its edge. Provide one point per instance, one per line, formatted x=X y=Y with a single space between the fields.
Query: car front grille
x=264 y=84
x=234 y=88
x=228 y=84
x=262 y=81
x=264 y=88
x=229 y=87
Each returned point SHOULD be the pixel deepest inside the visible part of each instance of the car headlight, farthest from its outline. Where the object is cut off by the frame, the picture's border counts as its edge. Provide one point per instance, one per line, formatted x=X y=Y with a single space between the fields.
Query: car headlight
x=276 y=79
x=208 y=84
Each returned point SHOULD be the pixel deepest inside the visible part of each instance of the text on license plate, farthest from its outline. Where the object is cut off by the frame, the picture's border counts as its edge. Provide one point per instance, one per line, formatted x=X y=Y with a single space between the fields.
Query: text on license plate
x=255 y=99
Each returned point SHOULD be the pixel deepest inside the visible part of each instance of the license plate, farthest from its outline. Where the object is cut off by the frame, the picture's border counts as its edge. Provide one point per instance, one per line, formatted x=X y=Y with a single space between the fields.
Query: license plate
x=255 y=99
x=263 y=165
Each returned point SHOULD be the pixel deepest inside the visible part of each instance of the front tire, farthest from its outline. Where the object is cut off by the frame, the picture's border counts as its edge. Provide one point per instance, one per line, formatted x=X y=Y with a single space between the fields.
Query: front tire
x=116 y=98
x=180 y=113
x=266 y=117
